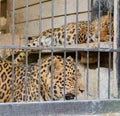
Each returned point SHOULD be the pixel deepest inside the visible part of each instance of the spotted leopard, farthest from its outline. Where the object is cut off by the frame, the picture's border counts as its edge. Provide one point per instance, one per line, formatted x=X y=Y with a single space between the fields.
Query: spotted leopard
x=44 y=76
x=59 y=33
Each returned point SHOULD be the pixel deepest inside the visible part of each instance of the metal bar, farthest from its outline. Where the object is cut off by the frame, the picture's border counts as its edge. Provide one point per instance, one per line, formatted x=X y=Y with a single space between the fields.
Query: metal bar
x=76 y=52
x=26 y=52
x=116 y=60
x=65 y=34
x=76 y=68
x=52 y=45
x=109 y=59
x=39 y=76
x=62 y=48
x=0 y=10
x=13 y=27
x=64 y=75
x=26 y=39
x=65 y=21
x=98 y=82
x=87 y=71
x=109 y=75
x=39 y=61
x=77 y=3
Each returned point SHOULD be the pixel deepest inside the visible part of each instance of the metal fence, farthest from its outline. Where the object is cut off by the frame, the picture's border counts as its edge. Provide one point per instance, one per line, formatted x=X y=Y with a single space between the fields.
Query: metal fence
x=84 y=106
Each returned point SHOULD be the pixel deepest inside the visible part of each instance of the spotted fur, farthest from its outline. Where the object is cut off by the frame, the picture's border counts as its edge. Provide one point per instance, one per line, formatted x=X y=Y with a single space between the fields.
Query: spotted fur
x=58 y=37
x=33 y=78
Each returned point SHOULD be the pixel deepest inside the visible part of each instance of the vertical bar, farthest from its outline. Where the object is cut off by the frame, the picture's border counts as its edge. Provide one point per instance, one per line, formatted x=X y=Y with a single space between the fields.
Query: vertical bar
x=109 y=75
x=26 y=39
x=39 y=76
x=77 y=23
x=0 y=10
x=88 y=39
x=52 y=45
x=65 y=24
x=0 y=15
x=76 y=52
x=76 y=68
x=52 y=22
x=116 y=61
x=64 y=75
x=109 y=60
x=98 y=82
x=26 y=58
x=65 y=21
x=39 y=61
x=13 y=27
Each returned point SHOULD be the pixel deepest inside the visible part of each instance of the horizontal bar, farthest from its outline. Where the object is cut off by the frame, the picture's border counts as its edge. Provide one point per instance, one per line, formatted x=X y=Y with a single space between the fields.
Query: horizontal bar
x=72 y=107
x=57 y=49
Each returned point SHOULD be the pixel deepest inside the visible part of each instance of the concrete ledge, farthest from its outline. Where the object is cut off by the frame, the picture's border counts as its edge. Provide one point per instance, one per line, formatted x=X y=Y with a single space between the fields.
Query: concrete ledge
x=60 y=108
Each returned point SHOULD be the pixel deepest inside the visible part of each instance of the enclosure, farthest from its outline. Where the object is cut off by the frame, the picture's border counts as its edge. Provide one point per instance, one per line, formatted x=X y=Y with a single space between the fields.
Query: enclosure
x=35 y=28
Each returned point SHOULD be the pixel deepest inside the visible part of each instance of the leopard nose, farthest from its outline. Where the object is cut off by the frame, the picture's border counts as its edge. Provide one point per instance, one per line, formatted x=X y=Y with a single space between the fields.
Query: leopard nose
x=30 y=38
x=69 y=96
x=82 y=91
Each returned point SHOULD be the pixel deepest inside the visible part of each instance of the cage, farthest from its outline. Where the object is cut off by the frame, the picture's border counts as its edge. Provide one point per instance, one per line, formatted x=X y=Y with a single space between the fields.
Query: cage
x=56 y=59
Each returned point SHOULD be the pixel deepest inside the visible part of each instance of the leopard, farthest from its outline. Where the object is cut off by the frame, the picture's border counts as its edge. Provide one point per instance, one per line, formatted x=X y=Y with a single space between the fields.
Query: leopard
x=76 y=33
x=73 y=34
x=46 y=39
x=45 y=80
